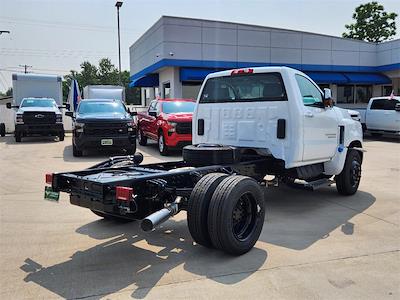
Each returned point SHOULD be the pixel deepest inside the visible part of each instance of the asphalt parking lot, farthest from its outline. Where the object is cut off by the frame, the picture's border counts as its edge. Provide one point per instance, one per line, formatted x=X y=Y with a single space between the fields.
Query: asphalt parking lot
x=314 y=244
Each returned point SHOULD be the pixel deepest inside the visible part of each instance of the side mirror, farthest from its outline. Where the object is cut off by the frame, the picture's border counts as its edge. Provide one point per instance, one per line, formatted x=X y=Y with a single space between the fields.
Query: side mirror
x=67 y=106
x=8 y=105
x=327 y=94
x=153 y=113
x=397 y=107
x=133 y=113
x=69 y=114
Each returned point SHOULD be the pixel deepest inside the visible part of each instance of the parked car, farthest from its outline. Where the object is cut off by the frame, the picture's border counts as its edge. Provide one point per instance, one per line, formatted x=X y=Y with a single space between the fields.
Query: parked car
x=167 y=121
x=38 y=116
x=382 y=116
x=102 y=124
x=248 y=123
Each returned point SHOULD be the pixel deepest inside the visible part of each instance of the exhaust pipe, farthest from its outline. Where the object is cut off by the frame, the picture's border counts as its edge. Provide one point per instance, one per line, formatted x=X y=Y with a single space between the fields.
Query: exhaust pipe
x=155 y=219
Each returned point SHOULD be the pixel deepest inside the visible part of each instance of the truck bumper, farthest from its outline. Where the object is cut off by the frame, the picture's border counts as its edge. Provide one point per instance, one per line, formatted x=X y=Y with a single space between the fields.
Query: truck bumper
x=42 y=129
x=178 y=140
x=94 y=142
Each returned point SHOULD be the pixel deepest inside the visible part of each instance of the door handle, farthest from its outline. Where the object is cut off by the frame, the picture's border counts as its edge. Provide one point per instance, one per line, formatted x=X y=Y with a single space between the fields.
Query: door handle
x=309 y=114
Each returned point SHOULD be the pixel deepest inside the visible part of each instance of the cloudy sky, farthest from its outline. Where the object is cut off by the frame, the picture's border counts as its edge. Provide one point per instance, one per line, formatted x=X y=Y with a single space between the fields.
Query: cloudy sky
x=55 y=36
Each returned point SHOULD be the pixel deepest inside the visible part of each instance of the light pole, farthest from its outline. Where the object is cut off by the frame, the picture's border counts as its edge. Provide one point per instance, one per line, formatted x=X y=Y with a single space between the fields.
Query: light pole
x=118 y=4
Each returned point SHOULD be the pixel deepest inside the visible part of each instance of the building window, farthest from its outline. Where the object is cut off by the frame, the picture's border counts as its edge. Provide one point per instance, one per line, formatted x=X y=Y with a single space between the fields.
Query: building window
x=387 y=90
x=363 y=93
x=167 y=90
x=345 y=94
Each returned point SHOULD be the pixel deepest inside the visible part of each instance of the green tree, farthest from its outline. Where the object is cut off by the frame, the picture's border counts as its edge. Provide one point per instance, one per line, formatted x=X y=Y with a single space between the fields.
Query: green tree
x=7 y=93
x=104 y=73
x=373 y=23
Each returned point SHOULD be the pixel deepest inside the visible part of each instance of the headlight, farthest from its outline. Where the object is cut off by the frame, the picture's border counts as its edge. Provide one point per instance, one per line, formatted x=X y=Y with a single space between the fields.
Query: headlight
x=59 y=118
x=79 y=127
x=19 y=119
x=131 y=125
x=172 y=126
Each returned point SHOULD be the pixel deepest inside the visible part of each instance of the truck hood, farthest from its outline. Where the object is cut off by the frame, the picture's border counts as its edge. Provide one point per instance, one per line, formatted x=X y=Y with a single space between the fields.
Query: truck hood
x=179 y=117
x=39 y=109
x=102 y=117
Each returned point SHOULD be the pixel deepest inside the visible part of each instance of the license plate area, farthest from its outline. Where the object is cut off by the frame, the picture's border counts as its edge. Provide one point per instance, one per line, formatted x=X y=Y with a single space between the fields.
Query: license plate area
x=51 y=195
x=106 y=142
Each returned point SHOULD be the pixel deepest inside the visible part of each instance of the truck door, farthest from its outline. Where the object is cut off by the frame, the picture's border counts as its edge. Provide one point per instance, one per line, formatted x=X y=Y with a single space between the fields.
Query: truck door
x=375 y=115
x=147 y=119
x=320 y=129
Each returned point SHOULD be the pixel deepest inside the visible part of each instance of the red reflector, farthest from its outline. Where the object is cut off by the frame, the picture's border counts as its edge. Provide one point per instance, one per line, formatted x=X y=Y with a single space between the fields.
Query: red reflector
x=49 y=178
x=242 y=71
x=123 y=193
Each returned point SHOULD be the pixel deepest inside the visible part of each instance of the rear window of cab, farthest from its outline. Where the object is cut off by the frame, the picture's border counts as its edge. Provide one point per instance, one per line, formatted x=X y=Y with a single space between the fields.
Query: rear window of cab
x=244 y=88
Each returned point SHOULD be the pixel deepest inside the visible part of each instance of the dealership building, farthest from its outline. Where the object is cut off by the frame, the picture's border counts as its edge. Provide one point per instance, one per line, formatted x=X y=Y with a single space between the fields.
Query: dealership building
x=172 y=58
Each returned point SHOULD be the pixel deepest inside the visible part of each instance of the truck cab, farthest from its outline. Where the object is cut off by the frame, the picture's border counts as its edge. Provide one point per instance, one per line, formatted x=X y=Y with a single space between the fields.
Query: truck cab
x=278 y=112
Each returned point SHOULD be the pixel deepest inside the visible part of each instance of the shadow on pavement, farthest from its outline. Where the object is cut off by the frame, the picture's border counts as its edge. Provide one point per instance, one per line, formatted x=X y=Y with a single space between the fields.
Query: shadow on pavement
x=9 y=139
x=129 y=256
x=383 y=138
x=296 y=219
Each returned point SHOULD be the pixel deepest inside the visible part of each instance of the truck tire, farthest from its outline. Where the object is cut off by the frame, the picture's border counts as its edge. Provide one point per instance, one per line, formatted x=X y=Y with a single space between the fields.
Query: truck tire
x=236 y=214
x=348 y=180
x=111 y=217
x=199 y=202
x=142 y=139
x=162 y=147
x=204 y=154
x=2 y=129
x=61 y=136
x=76 y=152
x=131 y=150
x=18 y=136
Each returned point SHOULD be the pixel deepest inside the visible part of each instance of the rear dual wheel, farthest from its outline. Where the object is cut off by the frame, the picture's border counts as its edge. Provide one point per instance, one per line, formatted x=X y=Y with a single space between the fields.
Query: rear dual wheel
x=226 y=212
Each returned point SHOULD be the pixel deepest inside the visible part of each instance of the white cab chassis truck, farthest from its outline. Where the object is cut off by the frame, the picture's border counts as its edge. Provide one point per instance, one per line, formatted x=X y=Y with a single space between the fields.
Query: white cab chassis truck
x=248 y=123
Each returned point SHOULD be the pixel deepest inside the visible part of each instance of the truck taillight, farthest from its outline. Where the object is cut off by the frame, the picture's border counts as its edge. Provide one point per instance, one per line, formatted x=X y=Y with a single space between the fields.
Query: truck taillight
x=123 y=193
x=49 y=178
x=242 y=71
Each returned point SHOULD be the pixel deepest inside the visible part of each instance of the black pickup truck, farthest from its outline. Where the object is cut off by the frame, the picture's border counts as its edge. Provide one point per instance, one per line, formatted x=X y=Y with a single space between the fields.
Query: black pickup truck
x=102 y=124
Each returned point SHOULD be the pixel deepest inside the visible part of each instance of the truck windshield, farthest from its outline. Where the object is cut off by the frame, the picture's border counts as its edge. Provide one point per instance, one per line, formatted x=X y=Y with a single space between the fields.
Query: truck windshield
x=99 y=107
x=244 y=88
x=178 y=107
x=38 y=103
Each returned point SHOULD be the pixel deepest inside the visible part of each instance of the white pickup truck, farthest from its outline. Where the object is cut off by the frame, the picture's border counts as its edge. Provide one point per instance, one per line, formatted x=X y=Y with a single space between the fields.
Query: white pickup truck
x=382 y=116
x=248 y=123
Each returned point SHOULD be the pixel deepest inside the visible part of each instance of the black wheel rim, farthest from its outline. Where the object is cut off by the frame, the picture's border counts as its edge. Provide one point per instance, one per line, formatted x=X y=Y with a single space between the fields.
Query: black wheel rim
x=355 y=173
x=244 y=217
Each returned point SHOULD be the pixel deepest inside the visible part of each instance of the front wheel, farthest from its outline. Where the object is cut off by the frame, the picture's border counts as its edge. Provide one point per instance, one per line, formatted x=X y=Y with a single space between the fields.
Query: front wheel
x=18 y=136
x=162 y=147
x=348 y=180
x=61 y=136
x=2 y=129
x=75 y=151
x=142 y=138
x=131 y=150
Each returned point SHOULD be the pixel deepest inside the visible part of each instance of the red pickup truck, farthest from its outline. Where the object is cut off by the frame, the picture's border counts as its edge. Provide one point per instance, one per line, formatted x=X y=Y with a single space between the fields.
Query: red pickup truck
x=168 y=121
